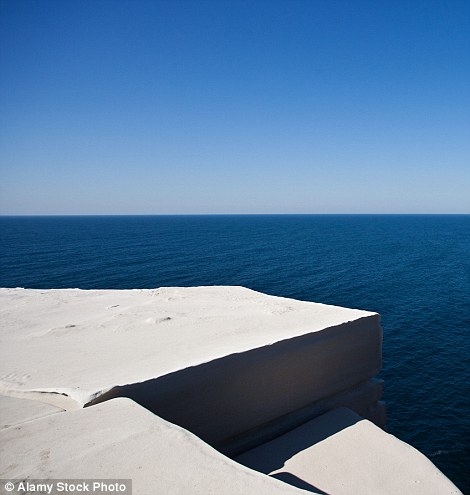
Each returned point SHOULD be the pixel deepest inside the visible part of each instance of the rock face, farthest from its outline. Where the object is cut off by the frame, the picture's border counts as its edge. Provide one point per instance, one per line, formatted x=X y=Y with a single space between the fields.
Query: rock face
x=219 y=361
x=237 y=368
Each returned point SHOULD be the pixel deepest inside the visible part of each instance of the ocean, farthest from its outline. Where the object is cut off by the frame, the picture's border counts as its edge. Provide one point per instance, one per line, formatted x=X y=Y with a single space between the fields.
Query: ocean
x=412 y=269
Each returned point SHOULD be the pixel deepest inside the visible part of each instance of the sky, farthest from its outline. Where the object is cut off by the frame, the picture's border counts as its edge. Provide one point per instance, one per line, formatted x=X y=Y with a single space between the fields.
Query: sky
x=234 y=107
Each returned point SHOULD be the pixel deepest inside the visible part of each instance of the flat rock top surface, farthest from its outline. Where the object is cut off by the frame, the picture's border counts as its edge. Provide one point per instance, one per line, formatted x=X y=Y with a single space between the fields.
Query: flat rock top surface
x=17 y=411
x=121 y=440
x=343 y=454
x=87 y=340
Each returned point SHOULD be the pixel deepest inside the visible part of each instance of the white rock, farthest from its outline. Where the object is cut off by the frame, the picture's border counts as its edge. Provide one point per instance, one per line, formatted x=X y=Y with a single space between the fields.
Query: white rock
x=363 y=399
x=120 y=440
x=218 y=361
x=226 y=363
x=341 y=453
x=16 y=411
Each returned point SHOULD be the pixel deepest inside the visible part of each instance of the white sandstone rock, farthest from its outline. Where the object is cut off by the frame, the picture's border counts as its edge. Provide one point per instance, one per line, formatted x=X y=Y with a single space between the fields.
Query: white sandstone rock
x=121 y=440
x=218 y=361
x=341 y=453
x=16 y=411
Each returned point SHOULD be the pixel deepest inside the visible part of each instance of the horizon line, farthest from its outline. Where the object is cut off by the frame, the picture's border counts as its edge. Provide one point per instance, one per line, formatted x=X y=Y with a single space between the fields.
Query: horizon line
x=216 y=214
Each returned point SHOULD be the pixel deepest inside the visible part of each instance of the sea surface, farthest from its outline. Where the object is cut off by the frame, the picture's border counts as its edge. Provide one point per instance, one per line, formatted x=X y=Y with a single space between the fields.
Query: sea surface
x=412 y=269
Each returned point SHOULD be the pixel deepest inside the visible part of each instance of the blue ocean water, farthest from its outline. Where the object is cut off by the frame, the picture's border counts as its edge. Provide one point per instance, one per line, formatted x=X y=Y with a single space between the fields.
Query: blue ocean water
x=413 y=270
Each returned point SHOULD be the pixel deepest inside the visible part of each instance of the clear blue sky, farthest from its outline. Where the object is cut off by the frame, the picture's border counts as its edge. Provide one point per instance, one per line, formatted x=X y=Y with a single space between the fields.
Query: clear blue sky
x=142 y=107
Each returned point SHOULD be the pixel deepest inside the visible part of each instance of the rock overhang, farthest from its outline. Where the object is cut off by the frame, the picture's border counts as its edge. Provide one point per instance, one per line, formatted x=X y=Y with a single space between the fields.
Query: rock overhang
x=92 y=340
x=236 y=367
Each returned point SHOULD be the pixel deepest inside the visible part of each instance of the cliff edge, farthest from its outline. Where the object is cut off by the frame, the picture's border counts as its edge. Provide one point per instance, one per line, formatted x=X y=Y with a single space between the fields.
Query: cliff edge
x=227 y=376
